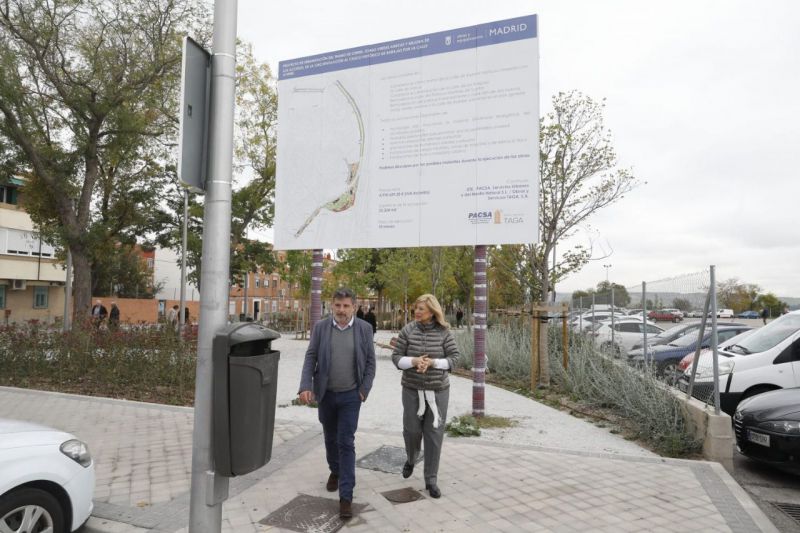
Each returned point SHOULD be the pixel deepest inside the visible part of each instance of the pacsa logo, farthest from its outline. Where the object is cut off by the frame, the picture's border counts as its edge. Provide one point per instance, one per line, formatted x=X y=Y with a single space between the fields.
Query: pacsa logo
x=479 y=217
x=448 y=40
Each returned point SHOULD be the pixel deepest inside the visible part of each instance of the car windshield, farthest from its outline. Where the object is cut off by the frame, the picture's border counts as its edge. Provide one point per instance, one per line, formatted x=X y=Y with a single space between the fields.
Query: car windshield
x=688 y=339
x=772 y=334
x=674 y=332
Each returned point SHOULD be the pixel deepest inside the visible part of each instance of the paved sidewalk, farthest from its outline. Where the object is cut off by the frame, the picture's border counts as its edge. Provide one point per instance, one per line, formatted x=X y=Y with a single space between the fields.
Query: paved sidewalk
x=552 y=472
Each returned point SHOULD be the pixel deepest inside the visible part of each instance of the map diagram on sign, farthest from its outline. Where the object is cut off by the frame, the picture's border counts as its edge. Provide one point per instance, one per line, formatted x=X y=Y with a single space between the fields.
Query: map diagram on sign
x=344 y=174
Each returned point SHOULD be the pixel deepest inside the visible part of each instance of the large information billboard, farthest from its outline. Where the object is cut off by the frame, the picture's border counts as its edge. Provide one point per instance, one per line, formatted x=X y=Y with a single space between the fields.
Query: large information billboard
x=426 y=141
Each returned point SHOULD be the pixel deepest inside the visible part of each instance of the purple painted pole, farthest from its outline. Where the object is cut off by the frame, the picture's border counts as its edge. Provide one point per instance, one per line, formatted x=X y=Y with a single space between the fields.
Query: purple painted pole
x=316 y=287
x=479 y=313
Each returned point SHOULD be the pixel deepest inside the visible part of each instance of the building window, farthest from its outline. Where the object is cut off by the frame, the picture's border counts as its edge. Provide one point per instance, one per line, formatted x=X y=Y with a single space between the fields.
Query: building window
x=8 y=195
x=40 y=297
x=2 y=296
x=150 y=262
x=258 y=282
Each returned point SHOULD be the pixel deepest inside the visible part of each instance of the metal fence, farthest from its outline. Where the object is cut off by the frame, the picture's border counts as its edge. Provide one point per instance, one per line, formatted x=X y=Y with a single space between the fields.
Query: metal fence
x=659 y=326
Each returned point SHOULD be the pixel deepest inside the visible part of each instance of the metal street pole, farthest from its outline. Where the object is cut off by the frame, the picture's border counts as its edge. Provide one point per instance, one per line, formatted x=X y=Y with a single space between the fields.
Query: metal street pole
x=245 y=307
x=209 y=489
x=68 y=294
x=182 y=317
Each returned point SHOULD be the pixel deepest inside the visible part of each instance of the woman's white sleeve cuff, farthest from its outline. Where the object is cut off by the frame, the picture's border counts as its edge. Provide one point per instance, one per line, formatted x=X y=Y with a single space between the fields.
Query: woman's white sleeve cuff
x=441 y=364
x=405 y=363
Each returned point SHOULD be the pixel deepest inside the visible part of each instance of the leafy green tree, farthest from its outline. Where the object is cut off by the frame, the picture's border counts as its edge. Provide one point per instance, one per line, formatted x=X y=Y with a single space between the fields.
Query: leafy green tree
x=733 y=294
x=507 y=288
x=123 y=273
x=682 y=304
x=771 y=302
x=357 y=268
x=252 y=203
x=85 y=102
x=401 y=271
x=621 y=296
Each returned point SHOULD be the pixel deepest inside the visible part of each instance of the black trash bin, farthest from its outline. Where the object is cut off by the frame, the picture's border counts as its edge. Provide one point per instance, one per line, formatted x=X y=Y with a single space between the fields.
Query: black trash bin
x=245 y=388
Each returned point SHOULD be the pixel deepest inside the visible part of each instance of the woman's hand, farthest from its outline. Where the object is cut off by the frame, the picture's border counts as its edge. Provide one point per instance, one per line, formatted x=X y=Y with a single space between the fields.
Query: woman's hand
x=421 y=363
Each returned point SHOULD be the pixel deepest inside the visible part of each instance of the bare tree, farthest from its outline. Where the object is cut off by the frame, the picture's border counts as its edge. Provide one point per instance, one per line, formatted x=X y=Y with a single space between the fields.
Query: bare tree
x=578 y=175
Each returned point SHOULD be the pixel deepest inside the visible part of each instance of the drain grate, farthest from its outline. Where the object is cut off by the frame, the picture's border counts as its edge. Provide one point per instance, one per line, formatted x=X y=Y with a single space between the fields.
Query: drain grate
x=399 y=496
x=790 y=509
x=389 y=459
x=310 y=513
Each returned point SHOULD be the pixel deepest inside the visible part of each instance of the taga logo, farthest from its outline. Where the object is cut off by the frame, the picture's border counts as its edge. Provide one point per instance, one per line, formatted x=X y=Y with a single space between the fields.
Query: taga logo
x=448 y=40
x=514 y=218
x=479 y=217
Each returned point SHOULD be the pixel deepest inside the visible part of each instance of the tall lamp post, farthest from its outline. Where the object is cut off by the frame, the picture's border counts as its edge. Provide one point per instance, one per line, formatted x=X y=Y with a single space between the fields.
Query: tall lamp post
x=606 y=267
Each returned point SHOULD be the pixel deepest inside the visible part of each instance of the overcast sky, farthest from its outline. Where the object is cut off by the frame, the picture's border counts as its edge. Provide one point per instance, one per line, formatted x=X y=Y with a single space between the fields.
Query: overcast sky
x=703 y=100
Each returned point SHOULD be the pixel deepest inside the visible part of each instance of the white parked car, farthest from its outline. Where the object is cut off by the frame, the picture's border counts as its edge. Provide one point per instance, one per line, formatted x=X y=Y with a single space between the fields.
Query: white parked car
x=626 y=334
x=768 y=359
x=46 y=479
x=585 y=321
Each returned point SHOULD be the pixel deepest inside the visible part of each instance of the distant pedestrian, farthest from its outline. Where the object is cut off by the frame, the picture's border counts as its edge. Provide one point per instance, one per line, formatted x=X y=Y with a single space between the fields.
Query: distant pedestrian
x=459 y=317
x=113 y=317
x=99 y=313
x=370 y=318
x=764 y=314
x=360 y=313
x=426 y=353
x=172 y=317
x=185 y=315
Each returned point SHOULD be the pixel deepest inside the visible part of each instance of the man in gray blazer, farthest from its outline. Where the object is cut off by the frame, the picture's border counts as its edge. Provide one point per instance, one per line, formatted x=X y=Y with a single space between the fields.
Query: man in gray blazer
x=338 y=371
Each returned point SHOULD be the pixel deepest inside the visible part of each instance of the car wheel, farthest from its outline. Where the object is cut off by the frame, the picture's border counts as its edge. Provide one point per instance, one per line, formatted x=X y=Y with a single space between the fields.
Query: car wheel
x=30 y=510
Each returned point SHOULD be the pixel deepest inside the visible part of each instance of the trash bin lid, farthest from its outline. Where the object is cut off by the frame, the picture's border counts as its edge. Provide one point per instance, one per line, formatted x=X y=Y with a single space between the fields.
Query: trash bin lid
x=247 y=332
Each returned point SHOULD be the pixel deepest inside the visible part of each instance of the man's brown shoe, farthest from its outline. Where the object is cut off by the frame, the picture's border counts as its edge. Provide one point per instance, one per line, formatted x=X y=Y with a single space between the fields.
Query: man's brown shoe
x=333 y=483
x=345 y=510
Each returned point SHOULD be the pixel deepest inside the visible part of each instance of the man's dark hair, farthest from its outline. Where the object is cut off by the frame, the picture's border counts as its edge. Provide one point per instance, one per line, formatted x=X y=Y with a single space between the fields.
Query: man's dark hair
x=344 y=292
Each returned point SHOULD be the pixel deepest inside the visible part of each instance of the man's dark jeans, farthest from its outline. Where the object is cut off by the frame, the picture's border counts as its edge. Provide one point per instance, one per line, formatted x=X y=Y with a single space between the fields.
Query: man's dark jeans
x=338 y=412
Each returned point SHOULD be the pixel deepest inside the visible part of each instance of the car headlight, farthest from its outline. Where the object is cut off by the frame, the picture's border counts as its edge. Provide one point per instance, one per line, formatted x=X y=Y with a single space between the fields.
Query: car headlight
x=738 y=415
x=77 y=451
x=782 y=426
x=725 y=367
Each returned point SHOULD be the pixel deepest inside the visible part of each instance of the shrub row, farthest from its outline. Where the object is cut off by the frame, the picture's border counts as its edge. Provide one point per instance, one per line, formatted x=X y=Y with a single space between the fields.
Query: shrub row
x=592 y=379
x=137 y=364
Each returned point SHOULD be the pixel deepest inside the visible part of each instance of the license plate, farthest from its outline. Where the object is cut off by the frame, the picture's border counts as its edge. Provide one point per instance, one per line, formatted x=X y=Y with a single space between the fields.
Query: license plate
x=758 y=438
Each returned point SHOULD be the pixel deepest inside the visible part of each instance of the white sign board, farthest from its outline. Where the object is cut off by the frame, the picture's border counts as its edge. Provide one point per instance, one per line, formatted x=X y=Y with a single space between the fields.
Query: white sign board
x=426 y=141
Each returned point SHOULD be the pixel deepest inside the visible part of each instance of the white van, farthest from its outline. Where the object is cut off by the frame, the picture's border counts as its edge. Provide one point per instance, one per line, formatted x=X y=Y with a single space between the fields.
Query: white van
x=768 y=359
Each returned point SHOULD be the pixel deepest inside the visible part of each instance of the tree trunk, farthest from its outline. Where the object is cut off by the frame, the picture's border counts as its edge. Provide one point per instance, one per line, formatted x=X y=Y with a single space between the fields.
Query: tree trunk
x=82 y=285
x=544 y=359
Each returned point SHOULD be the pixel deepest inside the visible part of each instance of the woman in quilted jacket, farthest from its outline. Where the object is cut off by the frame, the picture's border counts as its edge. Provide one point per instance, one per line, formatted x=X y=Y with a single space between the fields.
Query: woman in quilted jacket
x=426 y=353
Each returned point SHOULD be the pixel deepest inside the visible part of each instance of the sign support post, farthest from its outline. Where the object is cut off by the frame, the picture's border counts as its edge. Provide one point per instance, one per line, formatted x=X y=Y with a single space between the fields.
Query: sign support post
x=209 y=489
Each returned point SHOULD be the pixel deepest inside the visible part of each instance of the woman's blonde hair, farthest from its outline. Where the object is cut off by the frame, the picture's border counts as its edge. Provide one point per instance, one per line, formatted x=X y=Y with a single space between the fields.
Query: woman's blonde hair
x=433 y=305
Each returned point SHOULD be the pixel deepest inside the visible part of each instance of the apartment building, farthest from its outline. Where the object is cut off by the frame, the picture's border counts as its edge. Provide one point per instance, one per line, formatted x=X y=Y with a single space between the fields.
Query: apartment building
x=31 y=279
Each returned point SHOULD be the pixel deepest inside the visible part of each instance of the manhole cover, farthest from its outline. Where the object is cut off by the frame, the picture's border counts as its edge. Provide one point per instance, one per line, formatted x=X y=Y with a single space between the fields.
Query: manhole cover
x=402 y=495
x=389 y=459
x=310 y=513
x=791 y=509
